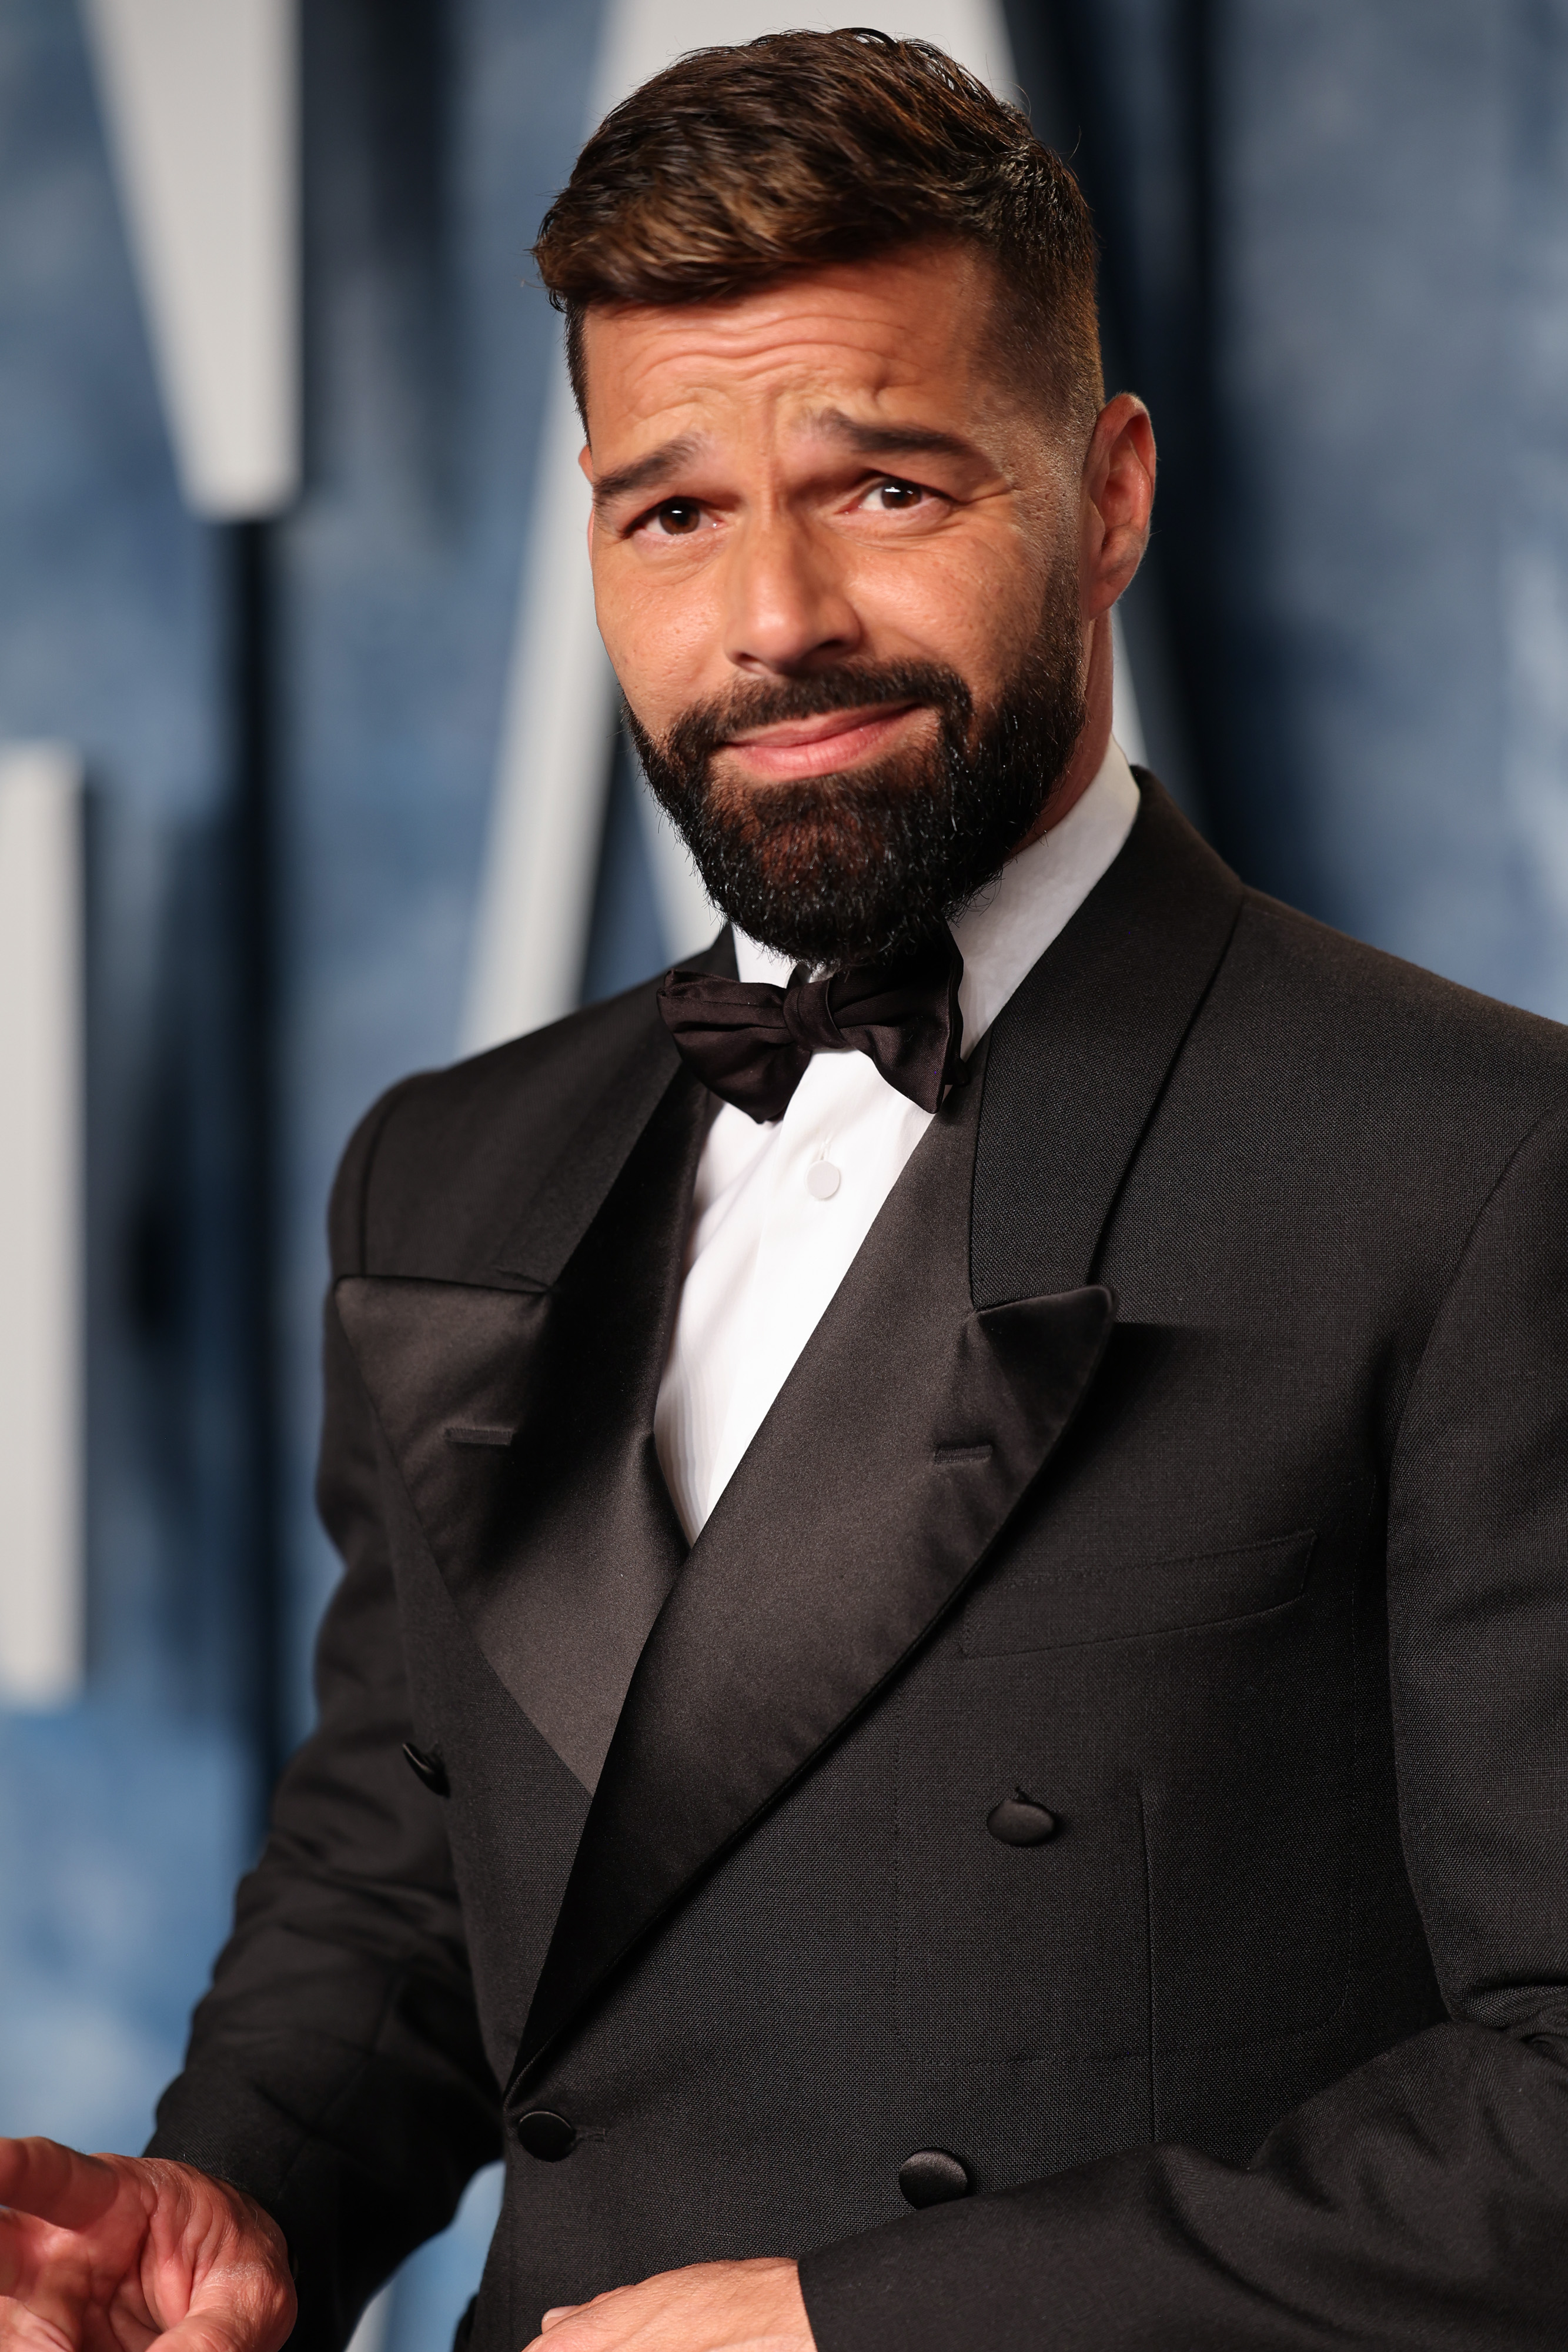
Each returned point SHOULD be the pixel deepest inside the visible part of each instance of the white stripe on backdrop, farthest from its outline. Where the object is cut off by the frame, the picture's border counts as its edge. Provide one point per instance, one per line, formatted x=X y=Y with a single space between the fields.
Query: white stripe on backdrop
x=201 y=101
x=40 y=1224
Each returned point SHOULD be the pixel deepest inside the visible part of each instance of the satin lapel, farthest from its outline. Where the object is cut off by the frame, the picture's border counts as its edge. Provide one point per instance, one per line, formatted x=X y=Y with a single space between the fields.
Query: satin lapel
x=564 y=1206
x=924 y=1422
x=560 y=1211
x=520 y=1418
x=1080 y=1055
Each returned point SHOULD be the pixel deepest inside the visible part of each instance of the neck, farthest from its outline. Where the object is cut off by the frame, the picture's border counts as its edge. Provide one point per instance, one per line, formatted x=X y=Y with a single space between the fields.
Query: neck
x=1093 y=739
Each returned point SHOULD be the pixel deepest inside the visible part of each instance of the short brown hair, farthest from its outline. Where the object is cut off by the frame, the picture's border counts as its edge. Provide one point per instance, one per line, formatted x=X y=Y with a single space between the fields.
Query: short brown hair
x=736 y=166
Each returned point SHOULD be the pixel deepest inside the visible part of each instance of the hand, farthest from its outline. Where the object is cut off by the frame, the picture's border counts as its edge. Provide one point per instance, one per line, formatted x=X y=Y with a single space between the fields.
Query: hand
x=112 y=2254
x=711 y=2307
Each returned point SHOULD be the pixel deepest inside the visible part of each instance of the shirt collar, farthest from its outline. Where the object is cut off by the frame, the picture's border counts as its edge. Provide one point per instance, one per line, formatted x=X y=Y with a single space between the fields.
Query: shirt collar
x=1010 y=925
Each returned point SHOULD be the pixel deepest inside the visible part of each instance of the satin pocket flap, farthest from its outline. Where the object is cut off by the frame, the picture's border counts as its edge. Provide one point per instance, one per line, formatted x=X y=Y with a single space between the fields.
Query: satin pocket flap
x=1113 y=1601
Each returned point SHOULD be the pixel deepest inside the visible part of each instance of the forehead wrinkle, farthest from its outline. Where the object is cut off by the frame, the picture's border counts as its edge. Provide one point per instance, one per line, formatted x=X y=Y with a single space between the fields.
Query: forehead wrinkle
x=801 y=369
x=872 y=437
x=684 y=359
x=799 y=392
x=903 y=320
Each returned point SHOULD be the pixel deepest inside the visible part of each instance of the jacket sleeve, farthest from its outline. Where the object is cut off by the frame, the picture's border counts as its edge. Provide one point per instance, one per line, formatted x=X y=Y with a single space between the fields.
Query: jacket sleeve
x=1422 y=2202
x=335 y=2069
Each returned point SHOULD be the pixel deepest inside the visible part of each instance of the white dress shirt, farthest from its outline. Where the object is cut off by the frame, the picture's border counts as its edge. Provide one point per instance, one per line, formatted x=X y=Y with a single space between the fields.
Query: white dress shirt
x=782 y=1206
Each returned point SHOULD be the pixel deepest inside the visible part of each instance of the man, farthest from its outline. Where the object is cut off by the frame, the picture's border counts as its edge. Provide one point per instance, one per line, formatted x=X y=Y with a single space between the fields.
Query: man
x=959 y=1512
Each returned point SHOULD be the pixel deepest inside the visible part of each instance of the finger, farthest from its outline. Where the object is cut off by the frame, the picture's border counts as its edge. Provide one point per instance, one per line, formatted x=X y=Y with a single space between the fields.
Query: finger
x=559 y=2311
x=14 y=2251
x=55 y=2184
x=250 y=2309
x=202 y=2332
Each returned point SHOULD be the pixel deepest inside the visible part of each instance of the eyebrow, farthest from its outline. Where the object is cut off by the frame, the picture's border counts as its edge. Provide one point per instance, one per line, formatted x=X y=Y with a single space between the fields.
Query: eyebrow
x=626 y=480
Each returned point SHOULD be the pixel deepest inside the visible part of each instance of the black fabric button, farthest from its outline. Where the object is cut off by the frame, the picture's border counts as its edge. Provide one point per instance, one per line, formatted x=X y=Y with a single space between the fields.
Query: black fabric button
x=430 y=1768
x=547 y=2136
x=933 y=2176
x=1019 y=1820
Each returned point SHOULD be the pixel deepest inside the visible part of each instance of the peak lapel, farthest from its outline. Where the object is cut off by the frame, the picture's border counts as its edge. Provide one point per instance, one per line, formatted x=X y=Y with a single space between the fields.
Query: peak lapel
x=520 y=1418
x=923 y=1423
x=1080 y=1054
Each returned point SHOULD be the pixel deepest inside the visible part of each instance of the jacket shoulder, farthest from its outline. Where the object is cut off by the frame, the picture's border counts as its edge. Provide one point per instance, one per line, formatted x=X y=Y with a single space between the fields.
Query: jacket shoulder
x=1311 y=998
x=457 y=1144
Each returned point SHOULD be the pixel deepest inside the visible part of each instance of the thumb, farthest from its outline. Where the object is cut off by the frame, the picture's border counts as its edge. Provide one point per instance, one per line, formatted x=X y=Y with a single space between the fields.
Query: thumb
x=217 y=2278
x=248 y=2309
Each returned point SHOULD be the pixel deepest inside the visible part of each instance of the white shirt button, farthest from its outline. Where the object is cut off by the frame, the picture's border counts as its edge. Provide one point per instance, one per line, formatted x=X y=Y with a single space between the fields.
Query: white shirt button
x=822 y=1180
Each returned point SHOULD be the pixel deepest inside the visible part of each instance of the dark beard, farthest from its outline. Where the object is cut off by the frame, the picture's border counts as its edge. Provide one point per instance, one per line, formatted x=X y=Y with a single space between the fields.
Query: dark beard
x=864 y=868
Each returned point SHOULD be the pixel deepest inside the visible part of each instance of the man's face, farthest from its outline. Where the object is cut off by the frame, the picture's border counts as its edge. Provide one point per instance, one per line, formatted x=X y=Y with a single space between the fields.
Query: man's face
x=836 y=560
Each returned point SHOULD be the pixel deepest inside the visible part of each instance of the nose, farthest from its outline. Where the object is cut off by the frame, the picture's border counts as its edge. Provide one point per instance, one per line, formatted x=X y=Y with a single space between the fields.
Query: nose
x=787 y=607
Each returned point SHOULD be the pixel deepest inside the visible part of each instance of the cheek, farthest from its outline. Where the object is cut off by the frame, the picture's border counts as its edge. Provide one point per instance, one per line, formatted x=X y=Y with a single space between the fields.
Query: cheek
x=662 y=632
x=969 y=600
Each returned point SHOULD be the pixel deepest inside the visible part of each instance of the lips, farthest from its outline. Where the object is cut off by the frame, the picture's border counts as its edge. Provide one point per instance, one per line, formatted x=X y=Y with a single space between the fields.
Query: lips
x=826 y=723
x=812 y=747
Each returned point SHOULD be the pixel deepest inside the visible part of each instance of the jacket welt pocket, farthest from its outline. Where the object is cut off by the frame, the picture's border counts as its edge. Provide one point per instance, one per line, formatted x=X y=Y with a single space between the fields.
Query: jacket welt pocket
x=1110 y=1602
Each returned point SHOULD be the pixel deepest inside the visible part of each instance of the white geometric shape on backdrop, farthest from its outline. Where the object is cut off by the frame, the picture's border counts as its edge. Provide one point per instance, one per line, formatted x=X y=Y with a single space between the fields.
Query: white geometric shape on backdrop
x=642 y=37
x=40 y=1224
x=1126 y=720
x=552 y=768
x=201 y=101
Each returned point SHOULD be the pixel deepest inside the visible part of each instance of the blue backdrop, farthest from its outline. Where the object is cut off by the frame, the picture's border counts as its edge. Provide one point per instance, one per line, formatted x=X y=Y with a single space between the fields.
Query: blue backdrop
x=1336 y=263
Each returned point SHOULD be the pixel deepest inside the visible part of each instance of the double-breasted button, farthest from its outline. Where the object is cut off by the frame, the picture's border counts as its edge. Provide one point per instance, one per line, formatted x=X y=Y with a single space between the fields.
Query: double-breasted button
x=934 y=2176
x=428 y=1766
x=549 y=2136
x=1019 y=1820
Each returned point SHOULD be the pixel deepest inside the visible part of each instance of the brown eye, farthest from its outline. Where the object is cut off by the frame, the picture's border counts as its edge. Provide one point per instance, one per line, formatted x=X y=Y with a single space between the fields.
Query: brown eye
x=679 y=515
x=897 y=498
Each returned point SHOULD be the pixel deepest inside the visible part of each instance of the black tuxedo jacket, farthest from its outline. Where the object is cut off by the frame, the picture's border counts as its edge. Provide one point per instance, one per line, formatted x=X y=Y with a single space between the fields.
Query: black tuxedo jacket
x=1184 y=1455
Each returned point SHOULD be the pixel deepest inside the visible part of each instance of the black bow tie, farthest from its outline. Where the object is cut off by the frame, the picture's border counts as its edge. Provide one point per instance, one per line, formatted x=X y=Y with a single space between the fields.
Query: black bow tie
x=751 y=1042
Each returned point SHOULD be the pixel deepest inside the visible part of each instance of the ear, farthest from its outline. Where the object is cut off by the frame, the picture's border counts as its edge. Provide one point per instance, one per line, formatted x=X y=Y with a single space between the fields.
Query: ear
x=1117 y=502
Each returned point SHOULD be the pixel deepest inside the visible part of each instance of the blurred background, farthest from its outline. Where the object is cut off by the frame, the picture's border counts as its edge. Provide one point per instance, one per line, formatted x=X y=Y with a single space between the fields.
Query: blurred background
x=309 y=772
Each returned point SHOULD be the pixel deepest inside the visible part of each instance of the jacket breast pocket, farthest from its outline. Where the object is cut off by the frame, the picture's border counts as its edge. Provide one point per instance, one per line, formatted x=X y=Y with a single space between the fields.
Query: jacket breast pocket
x=1085 y=1599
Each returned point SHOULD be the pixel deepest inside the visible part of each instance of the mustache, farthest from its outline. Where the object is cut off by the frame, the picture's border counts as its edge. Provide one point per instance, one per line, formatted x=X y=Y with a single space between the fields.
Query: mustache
x=704 y=730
